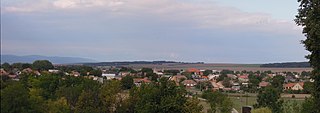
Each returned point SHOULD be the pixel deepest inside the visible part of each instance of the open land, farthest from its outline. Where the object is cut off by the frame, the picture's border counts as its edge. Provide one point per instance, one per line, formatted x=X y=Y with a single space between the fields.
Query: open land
x=216 y=66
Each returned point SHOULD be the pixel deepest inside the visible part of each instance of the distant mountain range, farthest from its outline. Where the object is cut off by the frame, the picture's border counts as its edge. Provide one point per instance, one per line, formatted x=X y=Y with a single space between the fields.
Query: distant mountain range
x=137 y=63
x=53 y=59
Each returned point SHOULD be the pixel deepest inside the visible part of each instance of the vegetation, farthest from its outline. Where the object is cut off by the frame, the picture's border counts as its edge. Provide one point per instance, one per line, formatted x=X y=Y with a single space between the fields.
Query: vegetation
x=288 y=65
x=308 y=18
x=269 y=97
x=261 y=110
x=61 y=93
x=219 y=102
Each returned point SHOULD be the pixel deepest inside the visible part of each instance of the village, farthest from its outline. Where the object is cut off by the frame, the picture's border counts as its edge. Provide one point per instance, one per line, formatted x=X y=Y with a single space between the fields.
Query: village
x=192 y=78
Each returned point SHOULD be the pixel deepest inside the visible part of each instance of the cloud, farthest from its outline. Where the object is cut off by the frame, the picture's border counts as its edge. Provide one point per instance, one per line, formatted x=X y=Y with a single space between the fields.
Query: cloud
x=204 y=15
x=146 y=29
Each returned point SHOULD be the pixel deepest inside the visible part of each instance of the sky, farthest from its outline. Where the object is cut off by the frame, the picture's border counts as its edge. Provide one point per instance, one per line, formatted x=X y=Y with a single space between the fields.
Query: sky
x=212 y=31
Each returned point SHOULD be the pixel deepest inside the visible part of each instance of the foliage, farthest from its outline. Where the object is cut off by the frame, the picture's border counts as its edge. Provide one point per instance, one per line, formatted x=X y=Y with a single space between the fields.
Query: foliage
x=164 y=97
x=226 y=82
x=42 y=65
x=6 y=66
x=291 y=107
x=127 y=82
x=218 y=102
x=269 y=97
x=207 y=72
x=308 y=18
x=172 y=72
x=308 y=106
x=277 y=82
x=308 y=87
x=58 y=106
x=262 y=110
x=14 y=99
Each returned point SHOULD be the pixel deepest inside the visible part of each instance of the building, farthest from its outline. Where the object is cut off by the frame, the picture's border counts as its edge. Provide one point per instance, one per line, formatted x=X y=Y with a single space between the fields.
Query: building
x=109 y=75
x=293 y=86
x=189 y=83
x=263 y=84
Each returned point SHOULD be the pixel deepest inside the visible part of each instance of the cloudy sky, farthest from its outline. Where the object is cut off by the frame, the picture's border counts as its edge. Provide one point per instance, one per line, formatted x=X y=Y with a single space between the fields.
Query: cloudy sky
x=215 y=31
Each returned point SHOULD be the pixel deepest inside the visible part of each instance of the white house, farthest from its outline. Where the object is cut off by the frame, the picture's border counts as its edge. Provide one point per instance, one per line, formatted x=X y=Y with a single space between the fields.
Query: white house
x=109 y=75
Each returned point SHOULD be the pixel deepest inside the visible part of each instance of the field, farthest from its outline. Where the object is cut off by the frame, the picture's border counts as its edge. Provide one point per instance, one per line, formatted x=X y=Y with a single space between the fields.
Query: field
x=215 y=66
x=240 y=100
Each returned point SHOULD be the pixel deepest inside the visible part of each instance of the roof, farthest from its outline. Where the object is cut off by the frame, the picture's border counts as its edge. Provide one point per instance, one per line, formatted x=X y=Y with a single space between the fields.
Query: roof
x=144 y=80
x=289 y=85
x=244 y=76
x=193 y=70
x=263 y=84
x=189 y=82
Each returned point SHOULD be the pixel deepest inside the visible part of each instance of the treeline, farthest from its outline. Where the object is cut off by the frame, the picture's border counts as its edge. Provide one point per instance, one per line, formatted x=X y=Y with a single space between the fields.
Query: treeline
x=287 y=65
x=57 y=93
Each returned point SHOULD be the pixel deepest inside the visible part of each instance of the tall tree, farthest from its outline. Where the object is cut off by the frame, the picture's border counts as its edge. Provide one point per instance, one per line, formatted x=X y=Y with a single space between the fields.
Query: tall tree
x=218 y=102
x=309 y=18
x=127 y=82
x=42 y=65
x=14 y=99
x=269 y=97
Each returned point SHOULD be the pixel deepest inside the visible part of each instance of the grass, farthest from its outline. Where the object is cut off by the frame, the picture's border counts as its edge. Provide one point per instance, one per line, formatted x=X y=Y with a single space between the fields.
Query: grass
x=251 y=100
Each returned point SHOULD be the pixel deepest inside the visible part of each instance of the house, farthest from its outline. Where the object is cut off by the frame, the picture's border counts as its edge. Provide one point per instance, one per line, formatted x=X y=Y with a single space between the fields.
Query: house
x=212 y=77
x=216 y=86
x=139 y=81
x=178 y=78
x=75 y=73
x=263 y=84
x=3 y=72
x=189 y=83
x=232 y=76
x=235 y=87
x=293 y=86
x=289 y=79
x=27 y=70
x=99 y=79
x=243 y=78
x=53 y=71
x=109 y=75
x=194 y=71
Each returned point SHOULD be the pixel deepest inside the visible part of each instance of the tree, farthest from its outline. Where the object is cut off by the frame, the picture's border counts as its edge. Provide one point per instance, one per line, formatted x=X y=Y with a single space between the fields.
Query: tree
x=6 y=66
x=226 y=82
x=218 y=102
x=308 y=106
x=308 y=87
x=14 y=99
x=58 y=106
x=269 y=97
x=308 y=18
x=96 y=72
x=162 y=97
x=88 y=102
x=207 y=72
x=110 y=94
x=291 y=106
x=192 y=106
x=127 y=82
x=277 y=82
x=42 y=65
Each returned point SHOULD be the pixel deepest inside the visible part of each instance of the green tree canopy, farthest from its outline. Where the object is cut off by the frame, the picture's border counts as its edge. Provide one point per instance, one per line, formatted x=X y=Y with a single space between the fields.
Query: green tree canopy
x=269 y=97
x=127 y=82
x=42 y=65
x=309 y=18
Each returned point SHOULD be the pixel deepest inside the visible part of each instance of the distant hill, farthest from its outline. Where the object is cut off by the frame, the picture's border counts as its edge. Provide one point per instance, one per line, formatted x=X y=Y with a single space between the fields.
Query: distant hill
x=287 y=65
x=53 y=59
x=136 y=63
